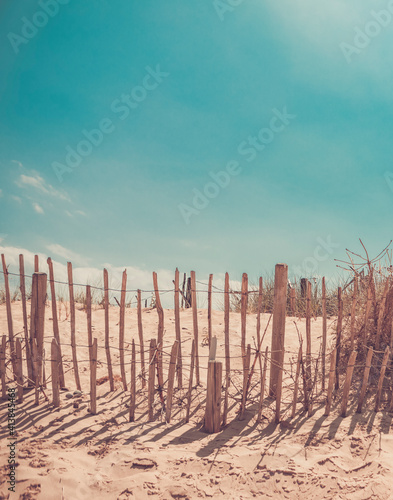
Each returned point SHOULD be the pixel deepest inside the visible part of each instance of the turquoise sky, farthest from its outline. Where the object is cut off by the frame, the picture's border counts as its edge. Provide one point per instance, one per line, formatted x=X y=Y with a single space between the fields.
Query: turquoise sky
x=201 y=79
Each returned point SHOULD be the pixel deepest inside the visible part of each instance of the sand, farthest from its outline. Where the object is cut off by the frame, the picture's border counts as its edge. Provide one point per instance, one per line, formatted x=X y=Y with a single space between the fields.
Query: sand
x=69 y=453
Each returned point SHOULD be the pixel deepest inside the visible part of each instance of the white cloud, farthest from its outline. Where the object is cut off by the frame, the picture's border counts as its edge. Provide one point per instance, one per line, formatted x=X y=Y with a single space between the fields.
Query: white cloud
x=65 y=253
x=81 y=212
x=35 y=181
x=67 y=212
x=38 y=208
x=16 y=198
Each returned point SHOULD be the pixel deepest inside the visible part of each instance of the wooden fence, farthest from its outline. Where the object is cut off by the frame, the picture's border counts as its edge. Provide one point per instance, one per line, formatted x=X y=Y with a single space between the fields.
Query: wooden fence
x=159 y=372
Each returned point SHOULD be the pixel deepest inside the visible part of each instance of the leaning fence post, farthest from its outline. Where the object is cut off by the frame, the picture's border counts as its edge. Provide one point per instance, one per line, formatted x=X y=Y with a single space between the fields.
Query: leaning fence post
x=19 y=370
x=121 y=327
x=195 y=324
x=338 y=337
x=278 y=332
x=150 y=386
x=381 y=377
x=55 y=373
x=22 y=284
x=37 y=322
x=171 y=380
x=179 y=368
x=93 y=379
x=295 y=392
x=133 y=383
x=189 y=395
x=243 y=313
x=263 y=383
x=332 y=374
x=246 y=374
x=365 y=380
x=73 y=340
x=9 y=315
x=160 y=334
x=213 y=395
x=347 y=384
x=227 y=349
x=107 y=348
x=141 y=343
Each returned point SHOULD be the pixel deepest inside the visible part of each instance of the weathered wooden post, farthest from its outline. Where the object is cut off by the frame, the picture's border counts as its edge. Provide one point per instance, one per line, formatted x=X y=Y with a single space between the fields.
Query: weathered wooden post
x=19 y=370
x=2 y=367
x=278 y=332
x=37 y=321
x=93 y=378
x=171 y=380
x=347 y=384
x=213 y=396
x=55 y=365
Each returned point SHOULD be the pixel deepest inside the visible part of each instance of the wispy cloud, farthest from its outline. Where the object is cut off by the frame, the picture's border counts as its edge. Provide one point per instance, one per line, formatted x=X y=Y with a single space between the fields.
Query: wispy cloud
x=66 y=254
x=37 y=182
x=16 y=198
x=1 y=193
x=38 y=208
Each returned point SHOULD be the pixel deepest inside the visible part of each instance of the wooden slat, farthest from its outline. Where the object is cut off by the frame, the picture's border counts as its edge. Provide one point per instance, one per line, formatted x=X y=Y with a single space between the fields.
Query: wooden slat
x=189 y=395
x=308 y=335
x=55 y=374
x=89 y=320
x=121 y=327
x=152 y=362
x=243 y=316
x=22 y=282
x=246 y=373
x=209 y=308
x=179 y=368
x=73 y=339
x=381 y=313
x=160 y=334
x=324 y=332
x=338 y=336
x=353 y=311
x=227 y=349
x=56 y=332
x=278 y=331
x=263 y=383
x=93 y=379
x=19 y=370
x=347 y=383
x=381 y=378
x=9 y=315
x=195 y=324
x=295 y=392
x=365 y=380
x=133 y=383
x=107 y=342
x=141 y=342
x=332 y=374
x=171 y=380
x=213 y=397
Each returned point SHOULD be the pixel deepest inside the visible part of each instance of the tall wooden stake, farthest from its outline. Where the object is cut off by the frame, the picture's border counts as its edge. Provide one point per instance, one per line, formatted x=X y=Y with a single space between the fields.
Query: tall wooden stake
x=189 y=396
x=347 y=383
x=141 y=343
x=89 y=321
x=338 y=337
x=55 y=374
x=9 y=315
x=195 y=324
x=381 y=378
x=295 y=392
x=171 y=380
x=213 y=397
x=308 y=335
x=179 y=368
x=263 y=383
x=243 y=316
x=121 y=327
x=381 y=313
x=209 y=308
x=324 y=333
x=331 y=382
x=278 y=333
x=73 y=340
x=353 y=311
x=19 y=372
x=365 y=380
x=56 y=333
x=133 y=383
x=246 y=373
x=160 y=335
x=152 y=362
x=93 y=379
x=227 y=349
x=107 y=344
x=29 y=361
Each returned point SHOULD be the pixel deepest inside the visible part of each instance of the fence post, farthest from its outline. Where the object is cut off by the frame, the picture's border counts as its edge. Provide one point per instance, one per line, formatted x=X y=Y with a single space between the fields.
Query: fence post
x=107 y=348
x=121 y=327
x=141 y=343
x=243 y=315
x=246 y=373
x=152 y=362
x=324 y=332
x=93 y=379
x=160 y=334
x=308 y=335
x=227 y=349
x=347 y=384
x=133 y=383
x=353 y=310
x=213 y=395
x=195 y=324
x=179 y=368
x=278 y=333
x=25 y=327
x=331 y=382
x=19 y=370
x=171 y=380
x=338 y=337
x=209 y=308
x=55 y=373
x=381 y=377
x=9 y=314
x=56 y=333
x=73 y=340
x=189 y=396
x=263 y=383
x=365 y=380
x=295 y=392
x=2 y=367
x=37 y=322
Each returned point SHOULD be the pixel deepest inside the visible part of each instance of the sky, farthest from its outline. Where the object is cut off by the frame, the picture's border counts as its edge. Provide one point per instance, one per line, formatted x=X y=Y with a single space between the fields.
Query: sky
x=215 y=136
